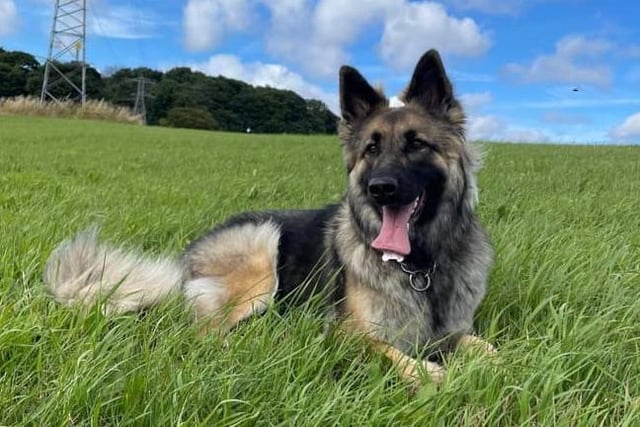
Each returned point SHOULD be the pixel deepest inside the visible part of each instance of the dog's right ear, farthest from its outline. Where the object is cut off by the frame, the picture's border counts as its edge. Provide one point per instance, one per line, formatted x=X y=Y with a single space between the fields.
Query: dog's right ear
x=357 y=98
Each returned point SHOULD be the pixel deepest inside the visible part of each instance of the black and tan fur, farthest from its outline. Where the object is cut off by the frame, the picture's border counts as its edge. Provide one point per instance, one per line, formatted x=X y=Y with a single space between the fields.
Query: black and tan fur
x=392 y=156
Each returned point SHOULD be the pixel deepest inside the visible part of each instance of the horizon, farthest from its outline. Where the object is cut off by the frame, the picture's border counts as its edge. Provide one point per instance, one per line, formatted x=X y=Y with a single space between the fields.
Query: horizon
x=557 y=72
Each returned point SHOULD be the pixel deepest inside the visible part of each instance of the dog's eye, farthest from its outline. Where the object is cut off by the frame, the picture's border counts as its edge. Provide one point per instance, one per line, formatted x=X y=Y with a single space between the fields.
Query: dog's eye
x=417 y=144
x=372 y=148
x=414 y=143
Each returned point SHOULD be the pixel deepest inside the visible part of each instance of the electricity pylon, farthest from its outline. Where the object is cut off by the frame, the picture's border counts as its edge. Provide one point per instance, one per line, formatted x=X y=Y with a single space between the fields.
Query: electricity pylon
x=140 y=106
x=68 y=37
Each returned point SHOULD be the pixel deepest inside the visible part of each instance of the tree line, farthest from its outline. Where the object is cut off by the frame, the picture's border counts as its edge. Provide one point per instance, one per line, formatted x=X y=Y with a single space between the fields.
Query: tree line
x=180 y=97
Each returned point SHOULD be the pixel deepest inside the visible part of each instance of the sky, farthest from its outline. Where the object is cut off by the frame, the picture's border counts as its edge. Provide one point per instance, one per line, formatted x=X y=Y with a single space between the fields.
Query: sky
x=565 y=71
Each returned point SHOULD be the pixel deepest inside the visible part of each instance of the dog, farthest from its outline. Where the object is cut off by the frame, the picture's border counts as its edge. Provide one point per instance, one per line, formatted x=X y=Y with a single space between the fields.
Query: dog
x=402 y=260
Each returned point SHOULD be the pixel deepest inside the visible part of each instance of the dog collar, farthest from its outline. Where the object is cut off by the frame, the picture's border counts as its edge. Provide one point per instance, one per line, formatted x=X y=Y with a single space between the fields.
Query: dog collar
x=420 y=280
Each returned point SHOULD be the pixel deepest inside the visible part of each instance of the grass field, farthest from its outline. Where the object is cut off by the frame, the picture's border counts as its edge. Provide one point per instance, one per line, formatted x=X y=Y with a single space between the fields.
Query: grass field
x=562 y=307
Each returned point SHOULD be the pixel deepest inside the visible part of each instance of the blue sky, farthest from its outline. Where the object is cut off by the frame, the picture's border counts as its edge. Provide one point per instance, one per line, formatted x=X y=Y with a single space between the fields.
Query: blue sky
x=515 y=64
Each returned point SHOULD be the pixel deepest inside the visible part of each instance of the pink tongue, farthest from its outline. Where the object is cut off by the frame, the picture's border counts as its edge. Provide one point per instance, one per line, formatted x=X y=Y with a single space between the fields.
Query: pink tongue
x=394 y=234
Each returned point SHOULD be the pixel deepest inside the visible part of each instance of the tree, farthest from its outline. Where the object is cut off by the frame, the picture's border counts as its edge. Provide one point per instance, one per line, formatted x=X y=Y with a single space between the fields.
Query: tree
x=179 y=97
x=16 y=68
x=60 y=88
x=320 y=118
x=190 y=118
x=120 y=86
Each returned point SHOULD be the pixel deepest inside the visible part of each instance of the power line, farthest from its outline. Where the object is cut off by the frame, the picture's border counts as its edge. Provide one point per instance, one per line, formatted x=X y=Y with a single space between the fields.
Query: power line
x=68 y=38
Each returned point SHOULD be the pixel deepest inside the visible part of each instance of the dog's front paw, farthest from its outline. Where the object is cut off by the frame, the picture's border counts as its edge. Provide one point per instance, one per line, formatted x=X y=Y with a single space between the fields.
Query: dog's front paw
x=475 y=343
x=416 y=371
x=435 y=371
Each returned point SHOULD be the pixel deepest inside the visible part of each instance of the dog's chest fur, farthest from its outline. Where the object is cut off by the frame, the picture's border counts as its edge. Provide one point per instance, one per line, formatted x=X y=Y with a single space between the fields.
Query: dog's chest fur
x=378 y=296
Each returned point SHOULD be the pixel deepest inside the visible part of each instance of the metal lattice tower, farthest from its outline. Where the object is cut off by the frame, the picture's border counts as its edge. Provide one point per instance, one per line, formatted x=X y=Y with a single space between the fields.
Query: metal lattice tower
x=140 y=106
x=67 y=43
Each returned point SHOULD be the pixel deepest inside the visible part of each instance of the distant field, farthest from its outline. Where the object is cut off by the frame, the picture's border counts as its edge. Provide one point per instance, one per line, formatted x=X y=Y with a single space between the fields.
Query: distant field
x=563 y=305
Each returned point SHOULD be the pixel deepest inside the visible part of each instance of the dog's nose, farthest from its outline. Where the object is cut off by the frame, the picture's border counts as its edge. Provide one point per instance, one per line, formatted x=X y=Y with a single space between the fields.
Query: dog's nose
x=384 y=189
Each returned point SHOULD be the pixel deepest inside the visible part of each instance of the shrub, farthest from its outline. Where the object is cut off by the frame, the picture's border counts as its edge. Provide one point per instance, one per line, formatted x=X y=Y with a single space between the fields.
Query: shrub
x=190 y=118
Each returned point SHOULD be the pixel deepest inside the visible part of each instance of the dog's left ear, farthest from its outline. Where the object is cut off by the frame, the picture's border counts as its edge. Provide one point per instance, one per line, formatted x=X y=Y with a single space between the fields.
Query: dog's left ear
x=357 y=98
x=430 y=87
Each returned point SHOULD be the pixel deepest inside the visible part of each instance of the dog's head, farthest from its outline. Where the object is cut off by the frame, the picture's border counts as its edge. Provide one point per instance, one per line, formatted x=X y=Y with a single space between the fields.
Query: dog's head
x=404 y=162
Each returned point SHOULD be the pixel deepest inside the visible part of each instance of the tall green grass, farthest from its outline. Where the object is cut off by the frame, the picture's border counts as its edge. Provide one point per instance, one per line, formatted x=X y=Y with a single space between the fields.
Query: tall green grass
x=562 y=305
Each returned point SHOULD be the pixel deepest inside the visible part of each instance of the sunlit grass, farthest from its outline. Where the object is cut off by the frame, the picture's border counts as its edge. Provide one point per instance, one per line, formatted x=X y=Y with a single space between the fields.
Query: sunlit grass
x=562 y=305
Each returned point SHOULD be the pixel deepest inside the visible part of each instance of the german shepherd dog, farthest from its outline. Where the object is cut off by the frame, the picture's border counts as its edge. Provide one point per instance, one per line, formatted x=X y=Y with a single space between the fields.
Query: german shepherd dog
x=402 y=259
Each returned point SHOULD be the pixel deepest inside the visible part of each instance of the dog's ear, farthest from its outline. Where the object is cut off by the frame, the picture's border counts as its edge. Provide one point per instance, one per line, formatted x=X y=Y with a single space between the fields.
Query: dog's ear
x=357 y=98
x=430 y=87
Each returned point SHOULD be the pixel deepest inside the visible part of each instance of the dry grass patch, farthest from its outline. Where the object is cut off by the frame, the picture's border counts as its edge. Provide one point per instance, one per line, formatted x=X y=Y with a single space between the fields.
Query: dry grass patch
x=92 y=109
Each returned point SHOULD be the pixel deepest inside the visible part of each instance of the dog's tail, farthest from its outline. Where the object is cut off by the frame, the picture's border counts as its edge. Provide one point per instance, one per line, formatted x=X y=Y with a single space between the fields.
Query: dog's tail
x=82 y=271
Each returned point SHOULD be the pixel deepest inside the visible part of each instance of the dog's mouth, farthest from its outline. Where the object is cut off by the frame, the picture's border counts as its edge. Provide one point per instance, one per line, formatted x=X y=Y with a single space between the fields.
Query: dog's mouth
x=393 y=239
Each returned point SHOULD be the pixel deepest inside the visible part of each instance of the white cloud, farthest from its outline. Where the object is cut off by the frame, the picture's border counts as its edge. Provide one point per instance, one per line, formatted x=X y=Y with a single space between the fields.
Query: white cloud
x=395 y=102
x=574 y=103
x=107 y=19
x=628 y=130
x=340 y=22
x=475 y=101
x=463 y=76
x=472 y=102
x=492 y=128
x=523 y=135
x=416 y=27
x=8 y=17
x=261 y=74
x=562 y=118
x=480 y=126
x=631 y=51
x=574 y=46
x=119 y=22
x=489 y=127
x=483 y=127
x=574 y=61
x=206 y=22
x=317 y=35
x=491 y=7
